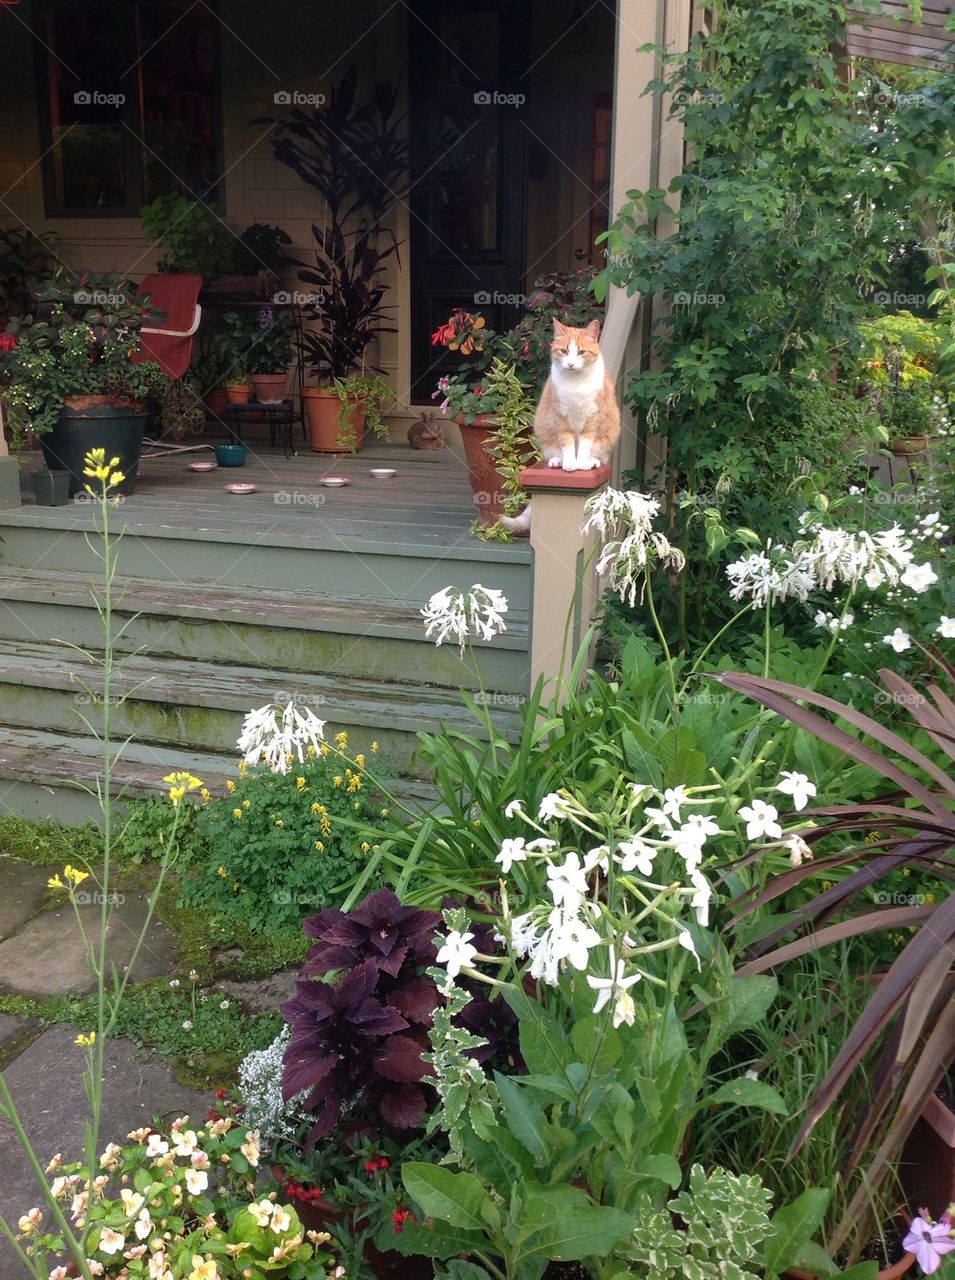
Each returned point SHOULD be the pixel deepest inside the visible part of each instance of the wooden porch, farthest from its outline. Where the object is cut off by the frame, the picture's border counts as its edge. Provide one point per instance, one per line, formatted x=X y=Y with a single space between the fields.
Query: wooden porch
x=293 y=591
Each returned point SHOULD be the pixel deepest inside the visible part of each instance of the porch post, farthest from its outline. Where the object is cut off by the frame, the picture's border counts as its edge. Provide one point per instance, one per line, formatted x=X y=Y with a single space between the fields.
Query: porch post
x=9 y=473
x=564 y=587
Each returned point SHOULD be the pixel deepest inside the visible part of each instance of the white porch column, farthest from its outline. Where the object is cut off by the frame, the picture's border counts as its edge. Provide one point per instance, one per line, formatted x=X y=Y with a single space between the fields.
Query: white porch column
x=565 y=590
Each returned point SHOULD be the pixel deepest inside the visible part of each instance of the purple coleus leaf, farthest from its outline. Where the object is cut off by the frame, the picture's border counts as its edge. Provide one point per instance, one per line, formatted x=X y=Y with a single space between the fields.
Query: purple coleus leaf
x=400 y=1060
x=416 y=999
x=380 y=928
x=403 y=1106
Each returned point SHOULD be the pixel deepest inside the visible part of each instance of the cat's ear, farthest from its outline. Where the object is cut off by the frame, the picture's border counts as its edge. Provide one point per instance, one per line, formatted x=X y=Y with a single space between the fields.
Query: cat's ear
x=559 y=329
x=593 y=330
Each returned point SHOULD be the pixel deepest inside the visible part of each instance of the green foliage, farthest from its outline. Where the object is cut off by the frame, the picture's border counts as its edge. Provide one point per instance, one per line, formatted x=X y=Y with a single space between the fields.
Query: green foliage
x=798 y=188
x=81 y=340
x=46 y=843
x=365 y=392
x=141 y=837
x=724 y=1221
x=260 y=341
x=24 y=261
x=276 y=849
x=194 y=237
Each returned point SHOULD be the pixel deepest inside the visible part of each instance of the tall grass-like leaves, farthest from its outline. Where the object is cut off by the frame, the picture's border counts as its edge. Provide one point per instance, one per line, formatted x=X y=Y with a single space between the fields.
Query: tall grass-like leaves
x=910 y=1018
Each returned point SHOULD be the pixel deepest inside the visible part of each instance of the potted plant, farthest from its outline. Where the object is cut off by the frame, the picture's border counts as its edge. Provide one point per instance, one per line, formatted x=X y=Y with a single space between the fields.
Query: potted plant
x=360 y=397
x=52 y=488
x=238 y=389
x=264 y=339
x=195 y=239
x=353 y=151
x=77 y=376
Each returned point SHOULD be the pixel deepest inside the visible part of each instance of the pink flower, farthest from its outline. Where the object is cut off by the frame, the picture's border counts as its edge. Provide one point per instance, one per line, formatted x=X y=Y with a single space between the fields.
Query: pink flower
x=929 y=1241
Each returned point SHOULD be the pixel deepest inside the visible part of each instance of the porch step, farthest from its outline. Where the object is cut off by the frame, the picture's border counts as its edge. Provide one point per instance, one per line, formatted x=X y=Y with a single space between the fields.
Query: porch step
x=322 y=557
x=201 y=705
x=279 y=629
x=53 y=776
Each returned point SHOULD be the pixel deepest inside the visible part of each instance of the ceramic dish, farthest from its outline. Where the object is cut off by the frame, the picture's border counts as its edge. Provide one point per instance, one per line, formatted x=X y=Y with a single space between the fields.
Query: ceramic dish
x=203 y=466
x=241 y=488
x=383 y=473
x=335 y=482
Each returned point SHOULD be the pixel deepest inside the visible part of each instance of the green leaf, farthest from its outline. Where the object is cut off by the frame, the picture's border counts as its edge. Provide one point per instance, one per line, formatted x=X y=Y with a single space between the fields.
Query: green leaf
x=458 y=1269
x=813 y=1258
x=745 y=1092
x=792 y=1226
x=861 y=1271
x=583 y=1037
x=459 y=1199
x=568 y=1226
x=743 y=1005
x=524 y=1118
x=663 y=1167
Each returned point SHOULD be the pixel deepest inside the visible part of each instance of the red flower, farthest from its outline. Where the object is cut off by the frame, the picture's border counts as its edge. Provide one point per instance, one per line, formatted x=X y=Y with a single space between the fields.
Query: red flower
x=401 y=1216
x=8 y=341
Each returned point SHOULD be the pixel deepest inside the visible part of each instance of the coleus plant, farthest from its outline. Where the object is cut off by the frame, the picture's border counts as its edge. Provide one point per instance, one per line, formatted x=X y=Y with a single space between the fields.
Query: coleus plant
x=356 y=1041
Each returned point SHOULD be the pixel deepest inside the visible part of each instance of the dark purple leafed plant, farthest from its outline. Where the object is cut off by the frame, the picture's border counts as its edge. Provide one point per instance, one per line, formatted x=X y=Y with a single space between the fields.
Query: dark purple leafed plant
x=356 y=1042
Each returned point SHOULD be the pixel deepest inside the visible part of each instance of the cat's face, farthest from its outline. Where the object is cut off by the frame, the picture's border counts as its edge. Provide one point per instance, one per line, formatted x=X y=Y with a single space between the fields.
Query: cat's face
x=574 y=349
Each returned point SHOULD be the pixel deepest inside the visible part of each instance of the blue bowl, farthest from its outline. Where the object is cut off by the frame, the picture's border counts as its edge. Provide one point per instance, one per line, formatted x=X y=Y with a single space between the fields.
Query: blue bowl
x=230 y=455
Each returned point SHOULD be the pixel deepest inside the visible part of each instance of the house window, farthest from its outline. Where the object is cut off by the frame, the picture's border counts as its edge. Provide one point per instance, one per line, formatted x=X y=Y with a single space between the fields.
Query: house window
x=131 y=104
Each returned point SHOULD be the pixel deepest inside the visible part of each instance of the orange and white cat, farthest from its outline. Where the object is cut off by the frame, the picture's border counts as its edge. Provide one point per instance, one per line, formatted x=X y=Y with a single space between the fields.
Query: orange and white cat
x=577 y=420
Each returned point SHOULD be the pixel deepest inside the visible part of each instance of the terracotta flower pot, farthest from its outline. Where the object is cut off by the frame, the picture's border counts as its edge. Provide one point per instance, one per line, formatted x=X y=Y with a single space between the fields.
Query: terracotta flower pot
x=269 y=388
x=215 y=402
x=486 y=483
x=905 y=445
x=888 y=1273
x=239 y=394
x=927 y=1165
x=321 y=413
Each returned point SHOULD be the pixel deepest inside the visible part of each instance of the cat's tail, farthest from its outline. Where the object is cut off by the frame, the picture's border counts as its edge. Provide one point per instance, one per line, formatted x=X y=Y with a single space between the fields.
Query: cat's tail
x=518 y=524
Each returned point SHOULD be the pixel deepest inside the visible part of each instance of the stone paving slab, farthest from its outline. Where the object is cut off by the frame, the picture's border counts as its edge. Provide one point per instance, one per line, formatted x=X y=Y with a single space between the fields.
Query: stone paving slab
x=264 y=995
x=47 y=957
x=46 y=1082
x=22 y=889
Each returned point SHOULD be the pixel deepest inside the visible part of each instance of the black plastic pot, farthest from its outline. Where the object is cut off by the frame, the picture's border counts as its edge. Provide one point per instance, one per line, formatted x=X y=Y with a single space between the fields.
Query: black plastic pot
x=96 y=422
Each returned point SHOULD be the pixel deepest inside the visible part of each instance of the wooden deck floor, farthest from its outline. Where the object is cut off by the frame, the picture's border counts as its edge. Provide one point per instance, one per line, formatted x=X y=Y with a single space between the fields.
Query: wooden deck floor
x=426 y=506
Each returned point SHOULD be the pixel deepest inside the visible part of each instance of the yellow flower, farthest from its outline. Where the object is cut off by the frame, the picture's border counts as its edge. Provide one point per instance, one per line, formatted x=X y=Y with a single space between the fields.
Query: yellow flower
x=203 y=1270
x=237 y=813
x=324 y=748
x=230 y=786
x=243 y=767
x=384 y=813
x=341 y=740
x=365 y=847
x=311 y=752
x=246 y=804
x=316 y=807
x=206 y=794
x=235 y=886
x=116 y=478
x=301 y=784
x=279 y=822
x=86 y=1041
x=319 y=847
x=326 y=827
x=74 y=876
x=337 y=780
x=176 y=794
x=375 y=746
x=222 y=873
x=354 y=783
x=180 y=783
x=360 y=760
x=55 y=882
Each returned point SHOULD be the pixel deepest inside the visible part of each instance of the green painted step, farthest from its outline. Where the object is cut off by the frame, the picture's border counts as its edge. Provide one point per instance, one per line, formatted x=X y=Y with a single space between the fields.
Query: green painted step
x=201 y=705
x=53 y=777
x=280 y=629
x=381 y=567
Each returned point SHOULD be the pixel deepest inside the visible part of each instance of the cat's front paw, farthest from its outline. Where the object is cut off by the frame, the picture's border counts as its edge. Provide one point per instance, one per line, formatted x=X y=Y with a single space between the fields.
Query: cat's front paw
x=594 y=463
x=553 y=462
x=570 y=464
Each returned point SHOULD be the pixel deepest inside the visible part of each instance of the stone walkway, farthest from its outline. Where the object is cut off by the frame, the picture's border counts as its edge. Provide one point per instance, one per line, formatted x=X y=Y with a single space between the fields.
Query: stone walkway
x=41 y=955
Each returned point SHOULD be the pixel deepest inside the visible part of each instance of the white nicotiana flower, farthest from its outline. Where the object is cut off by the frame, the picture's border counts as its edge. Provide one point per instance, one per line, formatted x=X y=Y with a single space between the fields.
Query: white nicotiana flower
x=946 y=628
x=796 y=785
x=513 y=807
x=511 y=851
x=616 y=989
x=635 y=855
x=264 y=739
x=918 y=577
x=673 y=798
x=452 y=613
x=685 y=939
x=700 y=901
x=555 y=805
x=799 y=850
x=688 y=840
x=543 y=843
x=761 y=821
x=456 y=953
x=899 y=640
x=571 y=938
x=597 y=860
x=567 y=884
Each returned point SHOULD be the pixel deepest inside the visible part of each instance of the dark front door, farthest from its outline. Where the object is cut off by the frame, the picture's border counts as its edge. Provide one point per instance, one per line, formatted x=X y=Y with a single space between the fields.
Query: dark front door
x=468 y=66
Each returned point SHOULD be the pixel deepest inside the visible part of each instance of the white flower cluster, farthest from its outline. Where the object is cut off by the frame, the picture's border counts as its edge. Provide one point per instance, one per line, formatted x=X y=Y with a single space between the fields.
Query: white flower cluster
x=260 y=1083
x=454 y=614
x=264 y=739
x=630 y=545
x=833 y=622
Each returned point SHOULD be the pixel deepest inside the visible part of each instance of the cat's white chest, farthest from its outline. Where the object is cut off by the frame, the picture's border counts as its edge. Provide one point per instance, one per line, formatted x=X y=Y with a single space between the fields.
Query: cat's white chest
x=577 y=396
